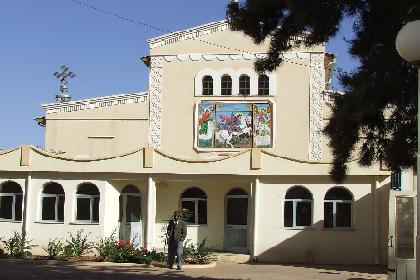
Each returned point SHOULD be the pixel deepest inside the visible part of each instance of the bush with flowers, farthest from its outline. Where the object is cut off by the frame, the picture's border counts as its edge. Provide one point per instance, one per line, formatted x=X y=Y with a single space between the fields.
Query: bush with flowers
x=122 y=251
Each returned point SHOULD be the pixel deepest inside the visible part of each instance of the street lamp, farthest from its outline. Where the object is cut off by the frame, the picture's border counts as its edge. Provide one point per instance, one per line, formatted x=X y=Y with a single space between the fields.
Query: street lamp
x=408 y=47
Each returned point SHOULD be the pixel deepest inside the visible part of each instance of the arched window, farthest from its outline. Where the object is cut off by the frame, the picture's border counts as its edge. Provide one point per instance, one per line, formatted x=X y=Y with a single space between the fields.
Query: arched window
x=226 y=88
x=87 y=197
x=298 y=207
x=53 y=202
x=194 y=202
x=263 y=85
x=244 y=85
x=11 y=201
x=207 y=85
x=337 y=208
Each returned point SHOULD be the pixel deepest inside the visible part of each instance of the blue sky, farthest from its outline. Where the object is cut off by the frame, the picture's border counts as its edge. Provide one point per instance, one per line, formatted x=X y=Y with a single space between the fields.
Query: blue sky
x=37 y=37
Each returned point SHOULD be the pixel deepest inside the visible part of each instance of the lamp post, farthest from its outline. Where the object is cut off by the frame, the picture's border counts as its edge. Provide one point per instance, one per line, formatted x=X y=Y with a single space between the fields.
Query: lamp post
x=408 y=47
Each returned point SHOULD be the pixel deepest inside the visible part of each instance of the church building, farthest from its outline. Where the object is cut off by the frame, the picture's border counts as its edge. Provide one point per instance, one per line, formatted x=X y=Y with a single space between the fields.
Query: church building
x=241 y=153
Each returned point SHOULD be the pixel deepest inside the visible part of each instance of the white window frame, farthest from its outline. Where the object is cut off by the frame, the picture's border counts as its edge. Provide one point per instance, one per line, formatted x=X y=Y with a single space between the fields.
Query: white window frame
x=335 y=201
x=295 y=201
x=195 y=200
x=92 y=198
x=13 y=195
x=57 y=198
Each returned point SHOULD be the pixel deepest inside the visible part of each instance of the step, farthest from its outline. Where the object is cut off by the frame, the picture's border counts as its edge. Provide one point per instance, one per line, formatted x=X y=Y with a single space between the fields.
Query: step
x=232 y=257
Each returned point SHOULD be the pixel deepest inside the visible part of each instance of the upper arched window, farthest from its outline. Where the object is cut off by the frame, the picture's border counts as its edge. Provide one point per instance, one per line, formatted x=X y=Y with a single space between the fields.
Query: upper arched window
x=11 y=201
x=194 y=202
x=263 y=85
x=207 y=85
x=226 y=85
x=244 y=85
x=87 y=197
x=298 y=207
x=338 y=208
x=53 y=202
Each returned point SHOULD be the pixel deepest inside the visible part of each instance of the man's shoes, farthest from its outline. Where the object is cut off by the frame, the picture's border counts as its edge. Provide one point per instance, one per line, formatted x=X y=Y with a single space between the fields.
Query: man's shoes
x=178 y=268
x=170 y=267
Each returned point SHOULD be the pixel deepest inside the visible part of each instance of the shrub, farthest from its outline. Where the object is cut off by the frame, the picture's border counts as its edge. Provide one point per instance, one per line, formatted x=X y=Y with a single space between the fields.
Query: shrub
x=54 y=248
x=199 y=254
x=121 y=251
x=77 y=245
x=18 y=245
x=106 y=247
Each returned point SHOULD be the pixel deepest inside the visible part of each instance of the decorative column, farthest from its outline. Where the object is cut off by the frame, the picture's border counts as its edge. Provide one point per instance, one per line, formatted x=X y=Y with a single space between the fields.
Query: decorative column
x=26 y=203
x=150 y=213
x=255 y=210
x=155 y=93
x=317 y=85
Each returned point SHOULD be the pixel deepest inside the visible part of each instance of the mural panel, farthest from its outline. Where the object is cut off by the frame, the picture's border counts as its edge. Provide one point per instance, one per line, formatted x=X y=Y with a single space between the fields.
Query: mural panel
x=206 y=125
x=263 y=125
x=234 y=125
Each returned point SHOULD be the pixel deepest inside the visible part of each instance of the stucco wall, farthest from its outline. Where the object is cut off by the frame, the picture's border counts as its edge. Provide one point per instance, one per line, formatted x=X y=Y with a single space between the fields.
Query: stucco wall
x=275 y=243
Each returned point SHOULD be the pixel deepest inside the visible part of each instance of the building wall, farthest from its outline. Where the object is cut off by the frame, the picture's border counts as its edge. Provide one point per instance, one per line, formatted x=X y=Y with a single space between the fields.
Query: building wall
x=98 y=132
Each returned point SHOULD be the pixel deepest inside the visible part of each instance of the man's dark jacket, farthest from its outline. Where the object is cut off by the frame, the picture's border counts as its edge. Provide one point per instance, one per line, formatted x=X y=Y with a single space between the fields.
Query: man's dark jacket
x=176 y=232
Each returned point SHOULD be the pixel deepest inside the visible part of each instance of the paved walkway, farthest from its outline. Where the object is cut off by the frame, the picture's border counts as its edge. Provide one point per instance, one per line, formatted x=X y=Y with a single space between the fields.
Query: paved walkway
x=55 y=270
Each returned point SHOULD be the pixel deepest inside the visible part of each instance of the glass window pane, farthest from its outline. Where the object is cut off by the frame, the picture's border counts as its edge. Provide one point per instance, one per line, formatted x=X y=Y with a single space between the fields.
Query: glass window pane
x=6 y=203
x=10 y=187
x=189 y=207
x=404 y=228
x=194 y=193
x=61 y=200
x=88 y=188
x=18 y=208
x=53 y=188
x=338 y=194
x=48 y=208
x=298 y=193
x=343 y=216
x=237 y=211
x=328 y=215
x=288 y=213
x=120 y=217
x=303 y=214
x=133 y=209
x=202 y=212
x=83 y=209
x=95 y=209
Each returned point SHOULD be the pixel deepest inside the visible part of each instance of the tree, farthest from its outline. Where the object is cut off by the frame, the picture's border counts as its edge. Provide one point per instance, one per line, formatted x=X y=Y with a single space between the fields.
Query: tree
x=376 y=118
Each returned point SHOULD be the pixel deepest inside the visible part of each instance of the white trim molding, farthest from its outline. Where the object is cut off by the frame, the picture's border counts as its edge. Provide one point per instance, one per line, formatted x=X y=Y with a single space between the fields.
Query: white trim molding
x=316 y=87
x=155 y=91
x=198 y=31
x=231 y=56
x=92 y=103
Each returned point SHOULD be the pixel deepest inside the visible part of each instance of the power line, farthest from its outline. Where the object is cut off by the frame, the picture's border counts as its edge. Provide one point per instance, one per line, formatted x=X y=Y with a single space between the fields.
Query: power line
x=168 y=31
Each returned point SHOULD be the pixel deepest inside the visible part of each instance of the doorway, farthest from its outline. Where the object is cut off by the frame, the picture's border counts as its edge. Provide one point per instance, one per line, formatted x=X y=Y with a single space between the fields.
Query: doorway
x=130 y=215
x=236 y=226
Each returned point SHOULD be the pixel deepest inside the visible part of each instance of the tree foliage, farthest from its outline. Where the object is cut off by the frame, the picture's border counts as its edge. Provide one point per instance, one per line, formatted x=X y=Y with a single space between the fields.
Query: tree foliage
x=376 y=118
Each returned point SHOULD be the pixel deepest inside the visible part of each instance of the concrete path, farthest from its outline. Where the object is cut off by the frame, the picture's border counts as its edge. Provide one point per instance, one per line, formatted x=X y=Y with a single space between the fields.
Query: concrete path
x=55 y=270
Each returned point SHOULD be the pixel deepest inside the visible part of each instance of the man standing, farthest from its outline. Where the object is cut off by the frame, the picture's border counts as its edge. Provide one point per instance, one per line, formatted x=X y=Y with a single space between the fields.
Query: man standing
x=176 y=234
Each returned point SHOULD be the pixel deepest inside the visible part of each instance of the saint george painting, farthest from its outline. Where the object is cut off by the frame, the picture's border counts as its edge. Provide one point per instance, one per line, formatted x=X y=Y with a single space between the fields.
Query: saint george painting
x=234 y=125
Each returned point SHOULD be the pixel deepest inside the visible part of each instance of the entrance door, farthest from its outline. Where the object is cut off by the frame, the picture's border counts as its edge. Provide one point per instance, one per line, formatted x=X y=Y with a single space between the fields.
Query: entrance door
x=401 y=236
x=236 y=229
x=130 y=215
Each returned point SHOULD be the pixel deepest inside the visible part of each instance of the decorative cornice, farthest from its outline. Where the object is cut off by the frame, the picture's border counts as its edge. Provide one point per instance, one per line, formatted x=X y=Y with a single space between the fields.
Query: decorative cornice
x=317 y=86
x=195 y=32
x=188 y=34
x=99 y=102
x=233 y=56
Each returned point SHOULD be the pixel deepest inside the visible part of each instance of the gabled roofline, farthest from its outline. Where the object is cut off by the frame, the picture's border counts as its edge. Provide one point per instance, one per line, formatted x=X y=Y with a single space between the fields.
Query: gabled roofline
x=97 y=102
x=188 y=34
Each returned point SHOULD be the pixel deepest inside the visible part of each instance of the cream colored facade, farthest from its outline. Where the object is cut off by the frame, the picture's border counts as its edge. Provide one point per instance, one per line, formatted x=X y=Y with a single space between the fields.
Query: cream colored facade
x=150 y=140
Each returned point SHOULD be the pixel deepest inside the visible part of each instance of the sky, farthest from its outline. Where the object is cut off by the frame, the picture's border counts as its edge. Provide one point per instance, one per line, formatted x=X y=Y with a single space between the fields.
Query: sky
x=38 y=37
